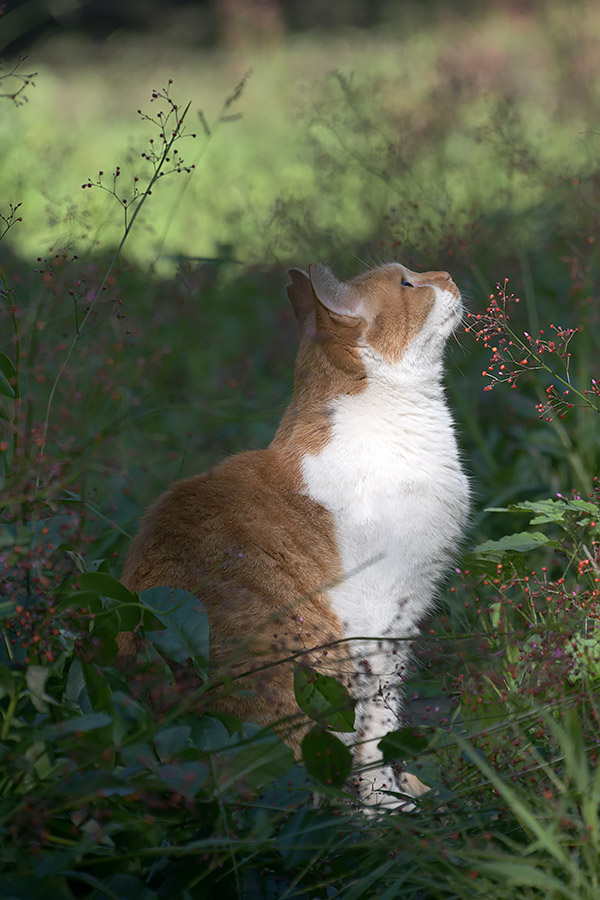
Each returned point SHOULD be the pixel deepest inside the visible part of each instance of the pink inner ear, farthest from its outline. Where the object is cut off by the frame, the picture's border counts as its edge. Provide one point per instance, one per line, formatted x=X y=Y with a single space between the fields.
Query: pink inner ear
x=333 y=294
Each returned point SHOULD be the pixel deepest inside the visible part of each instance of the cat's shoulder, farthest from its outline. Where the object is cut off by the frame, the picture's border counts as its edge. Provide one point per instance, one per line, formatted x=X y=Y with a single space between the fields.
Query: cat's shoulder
x=235 y=483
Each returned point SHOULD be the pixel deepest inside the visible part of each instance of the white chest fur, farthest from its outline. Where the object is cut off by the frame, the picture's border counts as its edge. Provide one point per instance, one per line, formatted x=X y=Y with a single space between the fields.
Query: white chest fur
x=391 y=477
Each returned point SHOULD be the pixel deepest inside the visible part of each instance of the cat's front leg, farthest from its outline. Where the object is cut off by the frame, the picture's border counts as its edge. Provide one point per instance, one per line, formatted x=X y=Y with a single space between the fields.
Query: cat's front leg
x=378 y=714
x=375 y=718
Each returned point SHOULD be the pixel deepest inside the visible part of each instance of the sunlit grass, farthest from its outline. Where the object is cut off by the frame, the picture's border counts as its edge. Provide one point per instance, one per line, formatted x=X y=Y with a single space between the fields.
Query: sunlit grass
x=460 y=117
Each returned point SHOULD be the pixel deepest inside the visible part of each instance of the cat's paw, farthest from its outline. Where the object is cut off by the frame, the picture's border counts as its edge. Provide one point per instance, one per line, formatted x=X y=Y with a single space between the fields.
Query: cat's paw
x=383 y=790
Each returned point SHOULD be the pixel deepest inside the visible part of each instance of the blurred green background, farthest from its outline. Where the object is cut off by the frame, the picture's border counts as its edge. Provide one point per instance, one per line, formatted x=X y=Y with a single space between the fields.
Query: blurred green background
x=462 y=136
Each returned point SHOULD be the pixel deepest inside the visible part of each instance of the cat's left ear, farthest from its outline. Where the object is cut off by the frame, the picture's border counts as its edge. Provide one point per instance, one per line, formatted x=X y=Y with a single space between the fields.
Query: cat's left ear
x=336 y=296
x=301 y=295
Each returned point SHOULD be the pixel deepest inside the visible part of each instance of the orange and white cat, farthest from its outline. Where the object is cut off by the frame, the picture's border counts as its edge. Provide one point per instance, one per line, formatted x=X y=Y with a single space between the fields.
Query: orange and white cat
x=342 y=528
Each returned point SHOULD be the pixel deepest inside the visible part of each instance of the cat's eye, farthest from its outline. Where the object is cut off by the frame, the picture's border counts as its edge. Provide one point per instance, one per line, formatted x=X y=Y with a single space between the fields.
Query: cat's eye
x=407 y=284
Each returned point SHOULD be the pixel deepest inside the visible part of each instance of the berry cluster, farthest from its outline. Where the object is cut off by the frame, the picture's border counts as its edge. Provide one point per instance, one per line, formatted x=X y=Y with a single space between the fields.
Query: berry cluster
x=514 y=355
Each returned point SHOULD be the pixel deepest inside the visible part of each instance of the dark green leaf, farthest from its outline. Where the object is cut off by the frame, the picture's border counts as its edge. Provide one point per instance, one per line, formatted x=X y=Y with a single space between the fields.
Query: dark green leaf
x=187 y=778
x=186 y=631
x=327 y=759
x=323 y=699
x=99 y=782
x=128 y=716
x=209 y=734
x=171 y=740
x=86 y=723
x=106 y=586
x=36 y=678
x=105 y=628
x=98 y=690
x=257 y=764
x=403 y=744
x=53 y=863
x=138 y=756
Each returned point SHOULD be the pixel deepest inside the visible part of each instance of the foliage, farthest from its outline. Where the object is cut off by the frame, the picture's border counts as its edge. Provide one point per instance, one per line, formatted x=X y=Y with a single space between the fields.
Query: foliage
x=117 y=377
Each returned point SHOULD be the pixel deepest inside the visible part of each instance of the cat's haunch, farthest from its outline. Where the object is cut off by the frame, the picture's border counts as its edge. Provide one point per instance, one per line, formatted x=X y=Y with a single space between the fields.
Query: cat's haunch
x=343 y=527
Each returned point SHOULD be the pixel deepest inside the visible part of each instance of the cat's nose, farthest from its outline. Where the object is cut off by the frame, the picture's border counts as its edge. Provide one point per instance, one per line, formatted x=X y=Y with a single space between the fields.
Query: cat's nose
x=436 y=277
x=427 y=277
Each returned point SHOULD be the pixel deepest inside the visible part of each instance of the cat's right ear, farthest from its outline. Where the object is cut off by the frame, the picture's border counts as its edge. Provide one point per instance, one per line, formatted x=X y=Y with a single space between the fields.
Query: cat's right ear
x=301 y=295
x=343 y=305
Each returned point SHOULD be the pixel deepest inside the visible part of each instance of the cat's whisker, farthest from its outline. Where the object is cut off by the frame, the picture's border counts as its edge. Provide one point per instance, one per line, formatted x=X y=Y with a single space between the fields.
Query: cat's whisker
x=363 y=262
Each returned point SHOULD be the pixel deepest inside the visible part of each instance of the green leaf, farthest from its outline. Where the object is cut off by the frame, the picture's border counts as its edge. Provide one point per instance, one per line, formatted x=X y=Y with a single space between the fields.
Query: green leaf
x=327 y=759
x=186 y=631
x=128 y=716
x=106 y=586
x=256 y=765
x=522 y=542
x=7 y=374
x=138 y=755
x=97 y=781
x=106 y=627
x=187 y=778
x=549 y=510
x=36 y=678
x=55 y=862
x=86 y=723
x=171 y=740
x=98 y=690
x=209 y=734
x=323 y=699
x=403 y=744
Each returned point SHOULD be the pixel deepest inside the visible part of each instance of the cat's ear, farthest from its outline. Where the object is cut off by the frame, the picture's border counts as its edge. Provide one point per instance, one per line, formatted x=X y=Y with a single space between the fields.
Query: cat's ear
x=334 y=295
x=301 y=295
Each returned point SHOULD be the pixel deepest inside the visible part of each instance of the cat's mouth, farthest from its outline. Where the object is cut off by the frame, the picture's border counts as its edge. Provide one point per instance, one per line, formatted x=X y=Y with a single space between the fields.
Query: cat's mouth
x=451 y=311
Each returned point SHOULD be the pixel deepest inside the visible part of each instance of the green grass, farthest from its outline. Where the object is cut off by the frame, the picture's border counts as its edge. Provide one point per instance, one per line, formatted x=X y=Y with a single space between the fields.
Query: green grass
x=467 y=119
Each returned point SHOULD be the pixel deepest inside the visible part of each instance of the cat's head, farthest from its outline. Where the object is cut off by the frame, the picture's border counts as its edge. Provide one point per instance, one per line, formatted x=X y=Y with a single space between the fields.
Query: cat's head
x=391 y=317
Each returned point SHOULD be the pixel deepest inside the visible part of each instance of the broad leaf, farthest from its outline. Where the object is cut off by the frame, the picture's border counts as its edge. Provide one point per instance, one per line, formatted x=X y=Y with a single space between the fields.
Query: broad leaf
x=209 y=734
x=106 y=586
x=128 y=716
x=323 y=699
x=98 y=690
x=522 y=542
x=36 y=678
x=186 y=778
x=256 y=765
x=171 y=740
x=86 y=723
x=327 y=759
x=186 y=631
x=403 y=744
